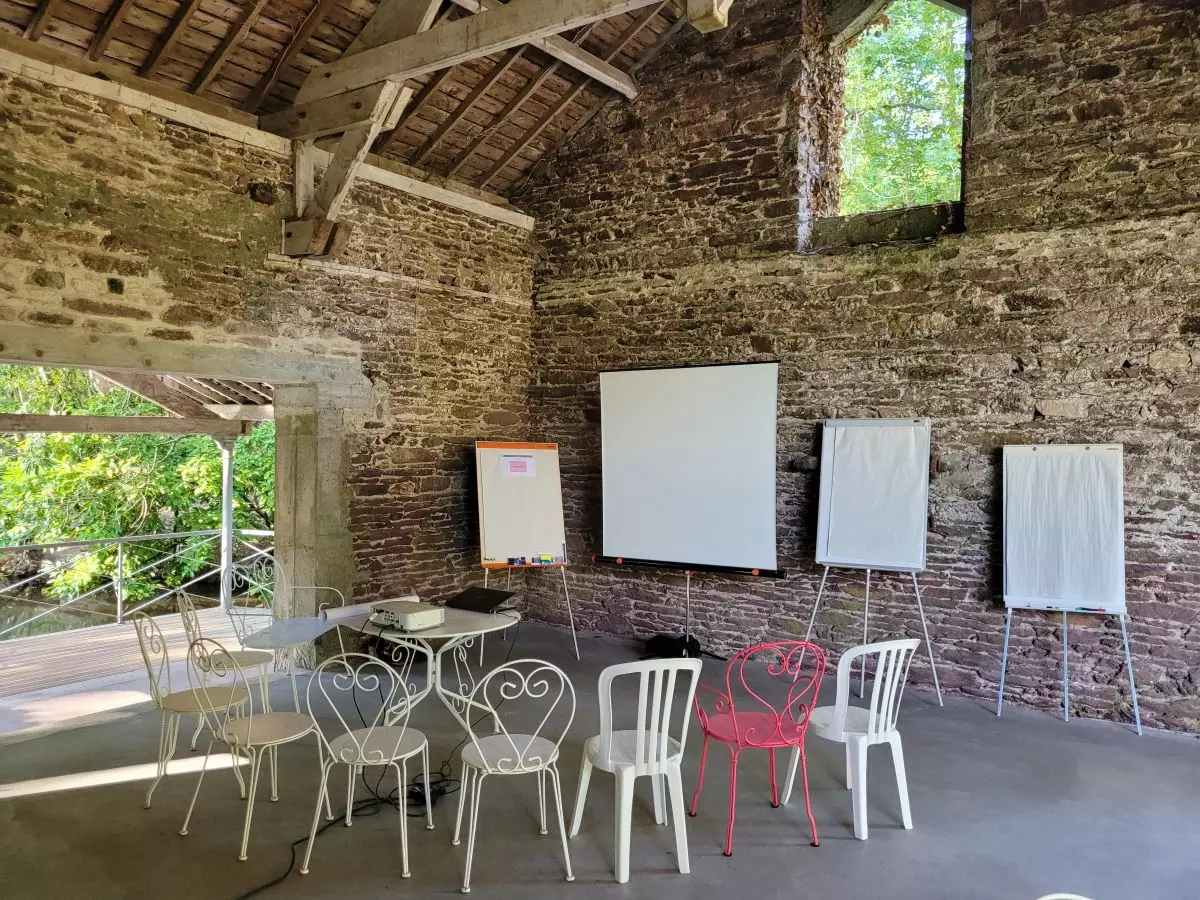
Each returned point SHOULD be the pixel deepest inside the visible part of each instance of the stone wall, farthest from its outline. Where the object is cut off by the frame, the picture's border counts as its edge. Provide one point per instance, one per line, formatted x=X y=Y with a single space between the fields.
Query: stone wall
x=1067 y=312
x=113 y=221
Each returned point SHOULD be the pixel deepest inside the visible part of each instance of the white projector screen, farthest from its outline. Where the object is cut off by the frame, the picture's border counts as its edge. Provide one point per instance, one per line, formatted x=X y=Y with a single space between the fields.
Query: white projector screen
x=874 y=494
x=689 y=465
x=1064 y=527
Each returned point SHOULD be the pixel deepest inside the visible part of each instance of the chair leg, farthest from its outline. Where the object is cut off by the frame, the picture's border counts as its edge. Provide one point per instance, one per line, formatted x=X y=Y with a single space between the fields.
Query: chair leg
x=237 y=773
x=812 y=823
x=428 y=801
x=774 y=785
x=169 y=719
x=196 y=733
x=471 y=827
x=901 y=780
x=675 y=789
x=585 y=778
x=732 y=801
x=849 y=767
x=325 y=783
x=790 y=778
x=656 y=789
x=255 y=768
x=541 y=780
x=700 y=777
x=350 y=794
x=562 y=825
x=468 y=774
x=623 y=820
x=322 y=794
x=859 y=790
x=274 y=753
x=196 y=793
x=263 y=691
x=402 y=774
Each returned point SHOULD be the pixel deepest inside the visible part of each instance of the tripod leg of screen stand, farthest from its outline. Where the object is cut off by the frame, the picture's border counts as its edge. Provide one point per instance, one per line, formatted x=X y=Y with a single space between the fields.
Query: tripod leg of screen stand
x=928 y=646
x=1137 y=716
x=862 y=665
x=570 y=614
x=1066 y=682
x=1004 y=661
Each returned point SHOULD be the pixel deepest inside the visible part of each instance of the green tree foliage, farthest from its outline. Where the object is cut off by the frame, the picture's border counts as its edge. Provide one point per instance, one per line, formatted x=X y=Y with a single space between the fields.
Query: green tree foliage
x=56 y=487
x=902 y=144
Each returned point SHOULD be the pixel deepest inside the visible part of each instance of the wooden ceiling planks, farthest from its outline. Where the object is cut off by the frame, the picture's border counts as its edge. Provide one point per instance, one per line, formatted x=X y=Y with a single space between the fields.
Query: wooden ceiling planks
x=486 y=122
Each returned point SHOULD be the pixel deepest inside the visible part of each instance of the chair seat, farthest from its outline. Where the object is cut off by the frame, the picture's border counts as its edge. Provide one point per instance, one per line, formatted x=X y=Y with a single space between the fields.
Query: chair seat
x=267 y=728
x=821 y=722
x=499 y=753
x=219 y=697
x=622 y=750
x=753 y=730
x=249 y=659
x=378 y=746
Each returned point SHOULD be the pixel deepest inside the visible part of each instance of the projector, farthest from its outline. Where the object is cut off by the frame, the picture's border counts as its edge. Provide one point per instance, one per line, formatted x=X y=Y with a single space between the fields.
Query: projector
x=405 y=615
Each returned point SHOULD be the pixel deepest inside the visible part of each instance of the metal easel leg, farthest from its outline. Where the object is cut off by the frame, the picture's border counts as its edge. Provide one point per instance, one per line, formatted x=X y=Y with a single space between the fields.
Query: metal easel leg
x=570 y=614
x=1004 y=661
x=1137 y=716
x=928 y=646
x=862 y=666
x=816 y=604
x=687 y=606
x=1066 y=684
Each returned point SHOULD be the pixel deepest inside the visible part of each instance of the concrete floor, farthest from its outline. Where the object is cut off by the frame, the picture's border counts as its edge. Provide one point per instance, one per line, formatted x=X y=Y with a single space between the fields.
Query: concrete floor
x=1004 y=808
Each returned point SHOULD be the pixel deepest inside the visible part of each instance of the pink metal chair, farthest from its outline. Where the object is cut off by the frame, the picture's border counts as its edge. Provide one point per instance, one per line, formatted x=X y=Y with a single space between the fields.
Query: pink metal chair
x=743 y=718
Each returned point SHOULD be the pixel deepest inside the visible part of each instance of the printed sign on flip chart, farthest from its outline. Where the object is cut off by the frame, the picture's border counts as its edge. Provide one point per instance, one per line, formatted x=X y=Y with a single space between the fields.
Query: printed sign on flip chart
x=521 y=465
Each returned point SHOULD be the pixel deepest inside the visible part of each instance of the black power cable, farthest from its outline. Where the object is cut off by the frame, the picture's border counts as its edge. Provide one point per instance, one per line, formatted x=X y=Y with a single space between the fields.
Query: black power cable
x=444 y=785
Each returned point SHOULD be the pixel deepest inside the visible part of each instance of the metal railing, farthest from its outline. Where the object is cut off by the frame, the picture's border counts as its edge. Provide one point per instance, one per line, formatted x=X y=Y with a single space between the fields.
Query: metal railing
x=117 y=583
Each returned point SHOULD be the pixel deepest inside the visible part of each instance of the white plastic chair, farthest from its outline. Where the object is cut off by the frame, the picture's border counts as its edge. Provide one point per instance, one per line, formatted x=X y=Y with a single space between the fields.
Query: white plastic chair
x=551 y=697
x=211 y=668
x=646 y=749
x=860 y=727
x=384 y=740
x=174 y=704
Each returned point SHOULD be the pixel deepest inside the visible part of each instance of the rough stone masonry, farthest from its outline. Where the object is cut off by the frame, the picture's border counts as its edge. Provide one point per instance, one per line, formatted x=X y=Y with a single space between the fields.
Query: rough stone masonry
x=672 y=231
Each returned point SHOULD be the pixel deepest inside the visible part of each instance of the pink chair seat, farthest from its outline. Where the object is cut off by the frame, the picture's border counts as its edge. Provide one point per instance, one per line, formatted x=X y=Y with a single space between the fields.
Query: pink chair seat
x=755 y=729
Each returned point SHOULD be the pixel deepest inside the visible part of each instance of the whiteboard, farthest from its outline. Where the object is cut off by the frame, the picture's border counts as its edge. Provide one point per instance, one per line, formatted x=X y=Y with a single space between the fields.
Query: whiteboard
x=688 y=458
x=874 y=494
x=1064 y=527
x=520 y=502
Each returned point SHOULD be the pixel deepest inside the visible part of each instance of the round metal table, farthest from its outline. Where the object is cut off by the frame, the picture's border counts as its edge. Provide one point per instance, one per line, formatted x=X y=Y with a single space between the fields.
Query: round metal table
x=285 y=636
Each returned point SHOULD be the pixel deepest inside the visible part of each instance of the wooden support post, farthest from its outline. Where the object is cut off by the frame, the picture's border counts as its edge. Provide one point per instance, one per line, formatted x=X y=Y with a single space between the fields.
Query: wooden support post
x=226 y=445
x=709 y=15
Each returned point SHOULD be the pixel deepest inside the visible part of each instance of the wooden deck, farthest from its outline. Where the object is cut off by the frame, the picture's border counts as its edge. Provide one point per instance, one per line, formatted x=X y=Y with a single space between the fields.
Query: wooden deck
x=68 y=657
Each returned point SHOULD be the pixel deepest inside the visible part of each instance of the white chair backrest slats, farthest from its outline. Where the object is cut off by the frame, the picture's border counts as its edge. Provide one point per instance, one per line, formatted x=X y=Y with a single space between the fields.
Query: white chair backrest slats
x=209 y=666
x=359 y=682
x=887 y=684
x=547 y=690
x=154 y=653
x=187 y=612
x=658 y=680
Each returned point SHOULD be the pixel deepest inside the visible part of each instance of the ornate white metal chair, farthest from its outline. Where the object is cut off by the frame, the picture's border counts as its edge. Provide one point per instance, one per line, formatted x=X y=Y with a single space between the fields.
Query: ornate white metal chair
x=647 y=749
x=244 y=659
x=383 y=740
x=548 y=692
x=860 y=727
x=175 y=704
x=212 y=668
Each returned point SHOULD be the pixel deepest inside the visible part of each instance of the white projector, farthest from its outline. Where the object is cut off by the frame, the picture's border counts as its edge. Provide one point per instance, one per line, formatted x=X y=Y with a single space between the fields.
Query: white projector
x=405 y=615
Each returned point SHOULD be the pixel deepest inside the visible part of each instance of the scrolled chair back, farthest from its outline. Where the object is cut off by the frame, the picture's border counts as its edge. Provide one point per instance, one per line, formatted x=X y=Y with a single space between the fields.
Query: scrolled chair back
x=532 y=703
x=209 y=667
x=187 y=612
x=344 y=689
x=770 y=692
x=154 y=654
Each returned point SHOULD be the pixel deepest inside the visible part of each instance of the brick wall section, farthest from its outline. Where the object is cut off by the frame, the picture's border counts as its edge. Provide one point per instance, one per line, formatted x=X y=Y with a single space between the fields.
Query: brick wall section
x=115 y=221
x=1083 y=111
x=1068 y=312
x=725 y=152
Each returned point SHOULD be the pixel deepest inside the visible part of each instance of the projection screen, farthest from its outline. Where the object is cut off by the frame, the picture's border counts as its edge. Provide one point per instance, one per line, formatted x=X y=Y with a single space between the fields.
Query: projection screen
x=689 y=465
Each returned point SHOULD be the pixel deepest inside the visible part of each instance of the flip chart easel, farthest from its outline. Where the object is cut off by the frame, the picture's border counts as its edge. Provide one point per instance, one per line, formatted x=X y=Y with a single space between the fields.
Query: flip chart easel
x=521 y=522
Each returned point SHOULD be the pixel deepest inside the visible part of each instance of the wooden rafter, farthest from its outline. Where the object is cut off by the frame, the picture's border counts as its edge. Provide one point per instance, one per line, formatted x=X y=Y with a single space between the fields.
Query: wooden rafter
x=301 y=37
x=112 y=21
x=166 y=43
x=569 y=97
x=485 y=85
x=236 y=34
x=492 y=31
x=511 y=108
x=432 y=86
x=154 y=389
x=40 y=19
x=213 y=425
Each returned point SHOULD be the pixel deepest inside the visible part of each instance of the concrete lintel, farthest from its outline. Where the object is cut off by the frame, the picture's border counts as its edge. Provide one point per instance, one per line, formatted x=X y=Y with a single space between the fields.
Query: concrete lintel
x=912 y=223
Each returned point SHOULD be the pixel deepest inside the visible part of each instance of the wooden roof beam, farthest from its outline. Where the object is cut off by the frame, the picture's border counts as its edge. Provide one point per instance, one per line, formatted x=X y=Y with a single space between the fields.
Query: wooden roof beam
x=154 y=389
x=236 y=34
x=112 y=21
x=166 y=43
x=310 y=24
x=214 y=426
x=846 y=19
x=459 y=41
x=432 y=86
x=570 y=53
x=39 y=20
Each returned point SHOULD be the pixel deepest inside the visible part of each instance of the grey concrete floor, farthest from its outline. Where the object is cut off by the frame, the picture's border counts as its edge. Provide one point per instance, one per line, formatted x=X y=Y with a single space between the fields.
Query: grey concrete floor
x=1003 y=808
